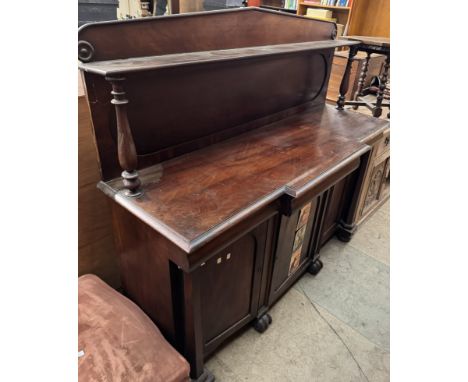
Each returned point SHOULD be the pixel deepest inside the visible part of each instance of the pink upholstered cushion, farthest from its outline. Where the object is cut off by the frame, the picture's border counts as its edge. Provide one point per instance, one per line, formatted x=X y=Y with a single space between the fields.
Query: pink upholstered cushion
x=119 y=341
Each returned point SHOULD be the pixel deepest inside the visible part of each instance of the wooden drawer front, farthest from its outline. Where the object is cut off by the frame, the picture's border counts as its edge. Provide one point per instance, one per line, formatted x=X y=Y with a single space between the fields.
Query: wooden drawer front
x=230 y=285
x=383 y=146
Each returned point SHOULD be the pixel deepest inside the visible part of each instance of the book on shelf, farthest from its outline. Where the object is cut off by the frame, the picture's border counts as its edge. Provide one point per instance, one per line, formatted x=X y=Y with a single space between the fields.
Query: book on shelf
x=290 y=4
x=317 y=12
x=333 y=3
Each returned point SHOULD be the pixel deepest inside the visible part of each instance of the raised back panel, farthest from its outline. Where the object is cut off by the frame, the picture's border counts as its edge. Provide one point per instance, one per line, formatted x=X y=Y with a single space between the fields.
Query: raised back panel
x=179 y=109
x=228 y=29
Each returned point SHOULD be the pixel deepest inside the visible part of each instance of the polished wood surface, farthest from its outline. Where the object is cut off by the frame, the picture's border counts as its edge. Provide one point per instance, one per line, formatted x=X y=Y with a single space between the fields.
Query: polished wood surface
x=203 y=31
x=194 y=109
x=125 y=66
x=238 y=162
x=278 y=159
x=210 y=113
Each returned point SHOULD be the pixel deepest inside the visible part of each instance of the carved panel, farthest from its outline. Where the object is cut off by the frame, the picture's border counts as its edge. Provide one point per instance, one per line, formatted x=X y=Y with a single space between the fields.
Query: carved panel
x=301 y=227
x=373 y=189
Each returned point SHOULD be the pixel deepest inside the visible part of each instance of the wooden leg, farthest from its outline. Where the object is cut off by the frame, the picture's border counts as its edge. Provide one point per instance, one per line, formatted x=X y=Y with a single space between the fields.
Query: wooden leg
x=193 y=335
x=347 y=224
x=377 y=112
x=345 y=232
x=315 y=267
x=261 y=324
x=345 y=81
x=362 y=79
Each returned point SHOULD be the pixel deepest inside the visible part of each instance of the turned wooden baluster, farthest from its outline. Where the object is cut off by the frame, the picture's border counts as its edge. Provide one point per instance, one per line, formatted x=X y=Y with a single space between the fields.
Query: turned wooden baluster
x=377 y=112
x=125 y=145
x=362 y=79
x=345 y=81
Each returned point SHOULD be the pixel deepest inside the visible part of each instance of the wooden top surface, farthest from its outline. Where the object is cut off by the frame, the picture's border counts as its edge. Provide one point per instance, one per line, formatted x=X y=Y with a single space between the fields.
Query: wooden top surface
x=359 y=55
x=193 y=198
x=116 y=67
x=378 y=41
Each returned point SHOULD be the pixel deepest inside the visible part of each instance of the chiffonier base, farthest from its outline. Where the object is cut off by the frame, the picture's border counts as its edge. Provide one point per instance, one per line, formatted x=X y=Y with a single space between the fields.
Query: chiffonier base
x=225 y=174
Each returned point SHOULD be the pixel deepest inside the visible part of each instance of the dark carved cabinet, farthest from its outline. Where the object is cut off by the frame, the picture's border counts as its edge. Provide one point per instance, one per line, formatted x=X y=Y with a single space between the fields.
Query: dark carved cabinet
x=225 y=171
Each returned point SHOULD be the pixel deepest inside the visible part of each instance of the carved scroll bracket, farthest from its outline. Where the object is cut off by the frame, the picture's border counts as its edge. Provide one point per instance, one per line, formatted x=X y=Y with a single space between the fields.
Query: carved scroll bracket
x=125 y=145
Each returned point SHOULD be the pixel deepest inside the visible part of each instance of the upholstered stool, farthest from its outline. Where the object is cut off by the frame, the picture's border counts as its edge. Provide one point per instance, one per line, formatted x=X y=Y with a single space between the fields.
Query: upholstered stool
x=118 y=342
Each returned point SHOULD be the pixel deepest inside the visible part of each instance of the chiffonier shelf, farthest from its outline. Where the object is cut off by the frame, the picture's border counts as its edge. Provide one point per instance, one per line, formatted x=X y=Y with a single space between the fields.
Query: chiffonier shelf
x=225 y=168
x=130 y=65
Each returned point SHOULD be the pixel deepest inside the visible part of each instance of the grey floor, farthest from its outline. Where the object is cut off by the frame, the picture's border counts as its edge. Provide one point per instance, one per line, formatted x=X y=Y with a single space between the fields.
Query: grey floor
x=331 y=327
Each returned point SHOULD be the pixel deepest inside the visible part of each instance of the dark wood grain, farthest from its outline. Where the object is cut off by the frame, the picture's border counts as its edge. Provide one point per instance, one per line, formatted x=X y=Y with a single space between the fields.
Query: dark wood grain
x=131 y=65
x=200 y=32
x=141 y=249
x=193 y=106
x=266 y=163
x=125 y=146
x=194 y=109
x=228 y=151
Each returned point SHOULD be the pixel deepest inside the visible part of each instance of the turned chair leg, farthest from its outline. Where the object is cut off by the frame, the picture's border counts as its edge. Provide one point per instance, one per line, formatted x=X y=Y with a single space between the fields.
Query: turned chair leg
x=345 y=81
x=377 y=112
x=362 y=79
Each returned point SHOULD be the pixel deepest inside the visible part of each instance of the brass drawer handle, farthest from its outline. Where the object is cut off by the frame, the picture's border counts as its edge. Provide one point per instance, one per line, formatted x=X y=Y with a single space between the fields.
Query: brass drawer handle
x=387 y=141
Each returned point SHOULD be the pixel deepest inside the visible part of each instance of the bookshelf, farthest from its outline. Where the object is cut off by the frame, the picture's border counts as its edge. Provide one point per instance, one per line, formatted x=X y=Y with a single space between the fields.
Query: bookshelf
x=278 y=5
x=341 y=14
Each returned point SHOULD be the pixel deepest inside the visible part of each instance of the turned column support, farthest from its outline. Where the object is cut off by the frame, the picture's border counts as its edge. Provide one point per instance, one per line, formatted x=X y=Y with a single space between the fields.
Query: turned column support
x=362 y=79
x=377 y=112
x=125 y=145
x=345 y=81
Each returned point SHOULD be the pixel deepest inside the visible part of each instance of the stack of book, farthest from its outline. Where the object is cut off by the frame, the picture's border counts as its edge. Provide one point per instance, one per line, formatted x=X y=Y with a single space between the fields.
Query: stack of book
x=335 y=3
x=290 y=4
x=321 y=14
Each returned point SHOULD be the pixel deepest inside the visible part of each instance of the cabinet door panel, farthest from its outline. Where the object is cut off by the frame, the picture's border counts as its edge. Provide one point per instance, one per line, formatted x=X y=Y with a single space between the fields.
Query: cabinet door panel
x=230 y=284
x=373 y=188
x=293 y=247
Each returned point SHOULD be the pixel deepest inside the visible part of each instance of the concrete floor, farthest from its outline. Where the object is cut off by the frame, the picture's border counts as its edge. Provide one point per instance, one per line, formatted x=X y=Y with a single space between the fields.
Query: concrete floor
x=331 y=327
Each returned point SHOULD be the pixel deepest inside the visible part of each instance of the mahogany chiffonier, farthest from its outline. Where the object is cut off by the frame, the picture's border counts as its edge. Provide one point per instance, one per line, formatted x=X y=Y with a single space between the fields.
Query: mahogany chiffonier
x=222 y=160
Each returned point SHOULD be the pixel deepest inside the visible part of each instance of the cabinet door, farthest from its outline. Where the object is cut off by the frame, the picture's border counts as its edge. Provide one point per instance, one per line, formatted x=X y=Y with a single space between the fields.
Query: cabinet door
x=334 y=209
x=230 y=283
x=295 y=246
x=373 y=188
x=385 y=186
